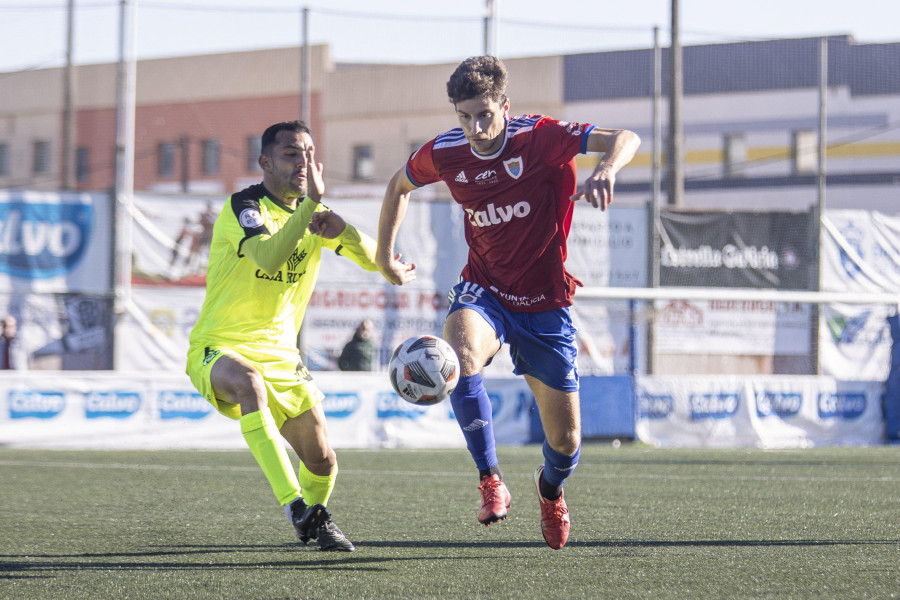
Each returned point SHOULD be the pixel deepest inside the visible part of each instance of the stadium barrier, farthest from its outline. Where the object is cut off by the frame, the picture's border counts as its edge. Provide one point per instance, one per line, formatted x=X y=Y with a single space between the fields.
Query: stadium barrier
x=113 y=410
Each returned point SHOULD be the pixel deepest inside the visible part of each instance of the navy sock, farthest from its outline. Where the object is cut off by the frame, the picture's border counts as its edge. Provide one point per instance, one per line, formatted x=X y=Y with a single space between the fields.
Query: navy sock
x=557 y=468
x=472 y=408
x=488 y=472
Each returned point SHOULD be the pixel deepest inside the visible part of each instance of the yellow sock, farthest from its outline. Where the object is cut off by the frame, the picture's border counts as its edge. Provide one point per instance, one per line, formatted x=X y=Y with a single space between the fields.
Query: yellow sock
x=265 y=443
x=317 y=488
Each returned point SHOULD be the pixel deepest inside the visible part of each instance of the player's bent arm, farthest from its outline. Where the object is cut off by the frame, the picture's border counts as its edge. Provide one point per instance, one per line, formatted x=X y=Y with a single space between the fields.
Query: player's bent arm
x=357 y=246
x=393 y=209
x=270 y=252
x=618 y=145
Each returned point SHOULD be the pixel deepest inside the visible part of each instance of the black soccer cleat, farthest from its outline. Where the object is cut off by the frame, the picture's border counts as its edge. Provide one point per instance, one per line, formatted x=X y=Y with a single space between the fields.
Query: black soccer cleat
x=300 y=517
x=323 y=530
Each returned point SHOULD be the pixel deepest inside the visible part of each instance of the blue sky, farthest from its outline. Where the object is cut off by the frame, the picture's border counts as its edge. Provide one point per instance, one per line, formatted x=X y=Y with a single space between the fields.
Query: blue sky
x=33 y=32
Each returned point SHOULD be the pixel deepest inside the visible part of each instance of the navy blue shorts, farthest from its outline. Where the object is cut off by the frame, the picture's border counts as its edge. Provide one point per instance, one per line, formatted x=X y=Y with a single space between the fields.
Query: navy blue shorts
x=541 y=344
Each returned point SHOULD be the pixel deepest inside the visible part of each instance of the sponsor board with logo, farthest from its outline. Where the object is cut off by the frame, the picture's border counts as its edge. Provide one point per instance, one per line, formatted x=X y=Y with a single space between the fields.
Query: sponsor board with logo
x=732 y=327
x=55 y=242
x=162 y=410
x=774 y=250
x=860 y=253
x=767 y=412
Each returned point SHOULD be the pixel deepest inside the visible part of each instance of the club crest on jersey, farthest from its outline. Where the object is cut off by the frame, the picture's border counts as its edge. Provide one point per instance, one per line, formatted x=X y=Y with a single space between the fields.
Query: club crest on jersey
x=250 y=217
x=514 y=167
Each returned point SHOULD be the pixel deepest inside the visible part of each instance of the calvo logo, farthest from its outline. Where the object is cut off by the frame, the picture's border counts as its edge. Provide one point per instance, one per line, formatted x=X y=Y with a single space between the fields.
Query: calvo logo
x=40 y=240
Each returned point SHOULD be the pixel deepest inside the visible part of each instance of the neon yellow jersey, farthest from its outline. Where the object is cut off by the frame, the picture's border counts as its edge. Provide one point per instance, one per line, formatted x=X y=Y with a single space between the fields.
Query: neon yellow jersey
x=248 y=306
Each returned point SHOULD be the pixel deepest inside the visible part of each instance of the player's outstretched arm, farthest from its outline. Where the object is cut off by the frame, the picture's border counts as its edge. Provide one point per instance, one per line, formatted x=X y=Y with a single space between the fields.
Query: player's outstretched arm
x=393 y=209
x=619 y=147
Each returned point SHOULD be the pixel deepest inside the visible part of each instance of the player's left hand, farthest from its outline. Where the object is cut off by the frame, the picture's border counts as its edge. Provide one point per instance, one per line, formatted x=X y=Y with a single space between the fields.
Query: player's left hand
x=327 y=224
x=316 y=184
x=598 y=189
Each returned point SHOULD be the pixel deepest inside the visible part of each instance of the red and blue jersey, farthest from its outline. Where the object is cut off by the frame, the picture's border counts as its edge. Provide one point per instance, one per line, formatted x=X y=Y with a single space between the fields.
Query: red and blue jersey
x=517 y=206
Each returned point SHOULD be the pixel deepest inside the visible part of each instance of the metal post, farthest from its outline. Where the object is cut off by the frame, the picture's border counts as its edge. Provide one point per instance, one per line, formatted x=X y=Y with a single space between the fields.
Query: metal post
x=68 y=133
x=124 y=185
x=653 y=217
x=491 y=45
x=657 y=158
x=305 y=111
x=819 y=209
x=823 y=112
x=674 y=158
x=184 y=152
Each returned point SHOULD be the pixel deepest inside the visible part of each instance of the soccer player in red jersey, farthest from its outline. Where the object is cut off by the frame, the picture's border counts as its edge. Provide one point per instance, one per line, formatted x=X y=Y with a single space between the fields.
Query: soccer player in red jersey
x=516 y=180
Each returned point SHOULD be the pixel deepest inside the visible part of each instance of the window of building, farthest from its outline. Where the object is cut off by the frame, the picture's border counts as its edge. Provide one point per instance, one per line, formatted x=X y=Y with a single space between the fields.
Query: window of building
x=254 y=148
x=41 y=158
x=165 y=159
x=735 y=154
x=805 y=151
x=363 y=163
x=212 y=152
x=4 y=160
x=82 y=164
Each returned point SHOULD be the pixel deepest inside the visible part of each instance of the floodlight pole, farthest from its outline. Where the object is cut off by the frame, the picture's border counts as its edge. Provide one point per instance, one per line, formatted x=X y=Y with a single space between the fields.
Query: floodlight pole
x=820 y=204
x=304 y=70
x=674 y=158
x=68 y=130
x=655 y=192
x=491 y=26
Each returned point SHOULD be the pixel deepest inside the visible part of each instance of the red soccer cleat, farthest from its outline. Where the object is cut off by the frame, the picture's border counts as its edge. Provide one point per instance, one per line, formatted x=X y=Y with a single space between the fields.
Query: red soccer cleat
x=495 y=500
x=554 y=516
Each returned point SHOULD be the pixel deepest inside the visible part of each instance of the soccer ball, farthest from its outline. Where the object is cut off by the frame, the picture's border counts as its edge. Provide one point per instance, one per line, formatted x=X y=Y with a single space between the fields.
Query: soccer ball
x=424 y=370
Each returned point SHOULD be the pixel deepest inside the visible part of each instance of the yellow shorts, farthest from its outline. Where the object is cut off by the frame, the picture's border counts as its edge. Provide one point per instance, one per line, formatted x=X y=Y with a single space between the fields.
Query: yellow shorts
x=291 y=389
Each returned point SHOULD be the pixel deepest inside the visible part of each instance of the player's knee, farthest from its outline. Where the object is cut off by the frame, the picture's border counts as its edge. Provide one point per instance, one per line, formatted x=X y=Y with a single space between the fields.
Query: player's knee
x=471 y=359
x=320 y=463
x=566 y=442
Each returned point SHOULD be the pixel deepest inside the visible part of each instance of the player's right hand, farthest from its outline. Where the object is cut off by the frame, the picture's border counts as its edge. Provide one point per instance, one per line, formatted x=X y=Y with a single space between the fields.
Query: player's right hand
x=398 y=271
x=316 y=184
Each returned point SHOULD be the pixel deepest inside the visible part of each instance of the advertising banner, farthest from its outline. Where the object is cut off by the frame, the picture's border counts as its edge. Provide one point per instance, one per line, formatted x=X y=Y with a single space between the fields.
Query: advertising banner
x=774 y=250
x=112 y=410
x=743 y=250
x=171 y=245
x=766 y=412
x=55 y=242
x=860 y=253
x=732 y=327
x=60 y=331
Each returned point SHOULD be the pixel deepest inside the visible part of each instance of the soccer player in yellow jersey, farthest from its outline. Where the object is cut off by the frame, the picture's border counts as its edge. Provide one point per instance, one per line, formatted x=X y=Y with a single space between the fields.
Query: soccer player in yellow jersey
x=243 y=357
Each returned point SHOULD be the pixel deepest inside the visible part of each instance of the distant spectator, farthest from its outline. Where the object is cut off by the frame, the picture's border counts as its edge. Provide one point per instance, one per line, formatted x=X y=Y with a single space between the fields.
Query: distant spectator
x=12 y=357
x=359 y=352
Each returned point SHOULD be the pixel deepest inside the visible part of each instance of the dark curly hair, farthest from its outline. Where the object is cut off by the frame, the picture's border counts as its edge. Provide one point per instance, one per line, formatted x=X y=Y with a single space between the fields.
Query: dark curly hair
x=478 y=76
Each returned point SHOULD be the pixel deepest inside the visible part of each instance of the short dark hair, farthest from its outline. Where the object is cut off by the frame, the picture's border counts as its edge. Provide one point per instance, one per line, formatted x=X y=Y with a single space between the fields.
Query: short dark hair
x=268 y=136
x=478 y=76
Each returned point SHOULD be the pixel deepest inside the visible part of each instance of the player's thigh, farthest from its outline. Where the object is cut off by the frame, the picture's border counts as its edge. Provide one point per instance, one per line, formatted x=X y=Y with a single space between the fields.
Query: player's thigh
x=235 y=380
x=472 y=337
x=560 y=415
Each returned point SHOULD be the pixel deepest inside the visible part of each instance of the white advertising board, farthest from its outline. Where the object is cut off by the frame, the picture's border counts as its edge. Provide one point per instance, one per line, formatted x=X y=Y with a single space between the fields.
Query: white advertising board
x=124 y=410
x=768 y=412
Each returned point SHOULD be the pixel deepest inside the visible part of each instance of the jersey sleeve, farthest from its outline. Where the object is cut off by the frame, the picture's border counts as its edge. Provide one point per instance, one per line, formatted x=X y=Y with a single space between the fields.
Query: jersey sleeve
x=269 y=252
x=420 y=167
x=561 y=141
x=355 y=245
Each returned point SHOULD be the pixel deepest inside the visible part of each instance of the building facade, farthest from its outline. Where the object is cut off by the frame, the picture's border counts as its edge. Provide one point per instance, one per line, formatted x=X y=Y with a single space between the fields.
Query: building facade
x=750 y=114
